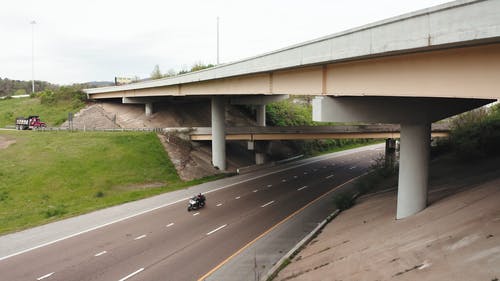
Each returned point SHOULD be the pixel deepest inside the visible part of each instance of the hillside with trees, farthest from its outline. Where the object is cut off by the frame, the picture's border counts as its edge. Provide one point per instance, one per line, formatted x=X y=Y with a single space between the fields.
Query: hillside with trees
x=10 y=87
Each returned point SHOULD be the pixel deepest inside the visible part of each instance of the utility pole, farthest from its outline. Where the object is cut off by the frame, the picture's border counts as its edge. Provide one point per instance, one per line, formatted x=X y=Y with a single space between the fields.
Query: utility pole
x=33 y=56
x=217 y=40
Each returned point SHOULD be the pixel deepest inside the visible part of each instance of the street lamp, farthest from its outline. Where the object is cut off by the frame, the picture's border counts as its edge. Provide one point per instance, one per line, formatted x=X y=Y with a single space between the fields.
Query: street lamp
x=217 y=40
x=33 y=56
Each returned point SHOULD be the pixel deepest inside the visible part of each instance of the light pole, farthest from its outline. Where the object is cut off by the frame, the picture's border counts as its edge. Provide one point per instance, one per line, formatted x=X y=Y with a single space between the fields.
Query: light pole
x=33 y=56
x=217 y=40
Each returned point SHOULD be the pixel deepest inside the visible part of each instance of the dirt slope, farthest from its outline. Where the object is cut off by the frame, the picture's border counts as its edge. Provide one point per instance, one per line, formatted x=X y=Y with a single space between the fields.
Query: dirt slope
x=456 y=238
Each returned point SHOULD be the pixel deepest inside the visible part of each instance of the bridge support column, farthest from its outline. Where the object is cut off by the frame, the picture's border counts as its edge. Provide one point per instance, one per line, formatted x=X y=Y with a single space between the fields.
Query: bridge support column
x=260 y=150
x=261 y=115
x=149 y=108
x=390 y=152
x=413 y=169
x=261 y=147
x=218 y=133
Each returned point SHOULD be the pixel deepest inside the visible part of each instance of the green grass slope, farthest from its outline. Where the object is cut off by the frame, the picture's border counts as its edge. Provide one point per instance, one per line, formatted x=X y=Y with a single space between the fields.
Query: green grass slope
x=51 y=175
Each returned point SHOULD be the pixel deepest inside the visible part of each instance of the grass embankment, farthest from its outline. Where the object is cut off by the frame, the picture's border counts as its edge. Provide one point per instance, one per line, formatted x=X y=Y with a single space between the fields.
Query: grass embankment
x=47 y=176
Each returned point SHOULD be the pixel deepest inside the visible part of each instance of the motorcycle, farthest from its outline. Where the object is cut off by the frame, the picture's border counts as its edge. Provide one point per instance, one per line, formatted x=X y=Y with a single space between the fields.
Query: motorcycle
x=196 y=202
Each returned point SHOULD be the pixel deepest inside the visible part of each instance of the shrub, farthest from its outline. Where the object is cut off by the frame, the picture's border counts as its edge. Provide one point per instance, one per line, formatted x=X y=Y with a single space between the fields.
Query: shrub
x=288 y=113
x=476 y=134
x=47 y=97
x=4 y=195
x=343 y=201
x=54 y=211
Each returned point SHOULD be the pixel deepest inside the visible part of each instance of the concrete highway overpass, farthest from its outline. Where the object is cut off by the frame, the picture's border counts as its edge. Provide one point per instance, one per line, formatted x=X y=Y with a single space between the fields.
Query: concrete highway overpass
x=412 y=70
x=311 y=132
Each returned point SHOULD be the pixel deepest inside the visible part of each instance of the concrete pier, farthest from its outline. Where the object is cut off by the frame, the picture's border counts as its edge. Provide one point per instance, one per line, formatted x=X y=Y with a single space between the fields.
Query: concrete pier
x=218 y=133
x=413 y=169
x=148 y=108
x=260 y=151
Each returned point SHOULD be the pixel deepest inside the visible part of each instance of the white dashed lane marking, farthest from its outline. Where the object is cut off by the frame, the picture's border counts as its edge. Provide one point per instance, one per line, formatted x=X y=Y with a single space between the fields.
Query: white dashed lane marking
x=218 y=205
x=304 y=187
x=330 y=176
x=255 y=190
x=283 y=180
x=268 y=203
x=45 y=276
x=269 y=185
x=237 y=197
x=195 y=214
x=100 y=254
x=353 y=167
x=170 y=224
x=140 y=237
x=217 y=229
x=131 y=274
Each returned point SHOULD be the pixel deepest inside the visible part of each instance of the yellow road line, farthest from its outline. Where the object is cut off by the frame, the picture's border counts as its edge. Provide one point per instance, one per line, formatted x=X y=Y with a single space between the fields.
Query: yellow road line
x=273 y=227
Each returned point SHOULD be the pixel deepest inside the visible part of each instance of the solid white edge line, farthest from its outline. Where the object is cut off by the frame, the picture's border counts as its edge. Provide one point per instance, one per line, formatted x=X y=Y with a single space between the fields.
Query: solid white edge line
x=305 y=186
x=268 y=203
x=140 y=237
x=100 y=254
x=132 y=274
x=170 y=224
x=320 y=158
x=45 y=276
x=217 y=229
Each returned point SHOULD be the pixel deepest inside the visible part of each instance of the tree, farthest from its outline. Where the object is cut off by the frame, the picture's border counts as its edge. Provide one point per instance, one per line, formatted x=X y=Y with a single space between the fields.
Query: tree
x=199 y=66
x=171 y=72
x=156 y=74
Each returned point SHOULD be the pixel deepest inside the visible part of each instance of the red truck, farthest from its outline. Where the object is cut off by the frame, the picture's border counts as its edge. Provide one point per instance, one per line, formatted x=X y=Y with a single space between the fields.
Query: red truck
x=32 y=122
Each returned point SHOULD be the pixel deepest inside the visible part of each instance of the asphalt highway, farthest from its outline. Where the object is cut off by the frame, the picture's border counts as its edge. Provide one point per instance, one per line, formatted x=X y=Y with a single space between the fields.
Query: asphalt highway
x=171 y=243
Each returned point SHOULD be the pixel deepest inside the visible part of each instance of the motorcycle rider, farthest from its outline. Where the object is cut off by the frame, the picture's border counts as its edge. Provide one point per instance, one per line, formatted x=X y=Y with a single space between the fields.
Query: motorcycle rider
x=200 y=198
x=196 y=202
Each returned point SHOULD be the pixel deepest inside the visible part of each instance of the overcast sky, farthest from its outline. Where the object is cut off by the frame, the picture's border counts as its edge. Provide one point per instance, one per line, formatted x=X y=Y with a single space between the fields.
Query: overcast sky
x=96 y=40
